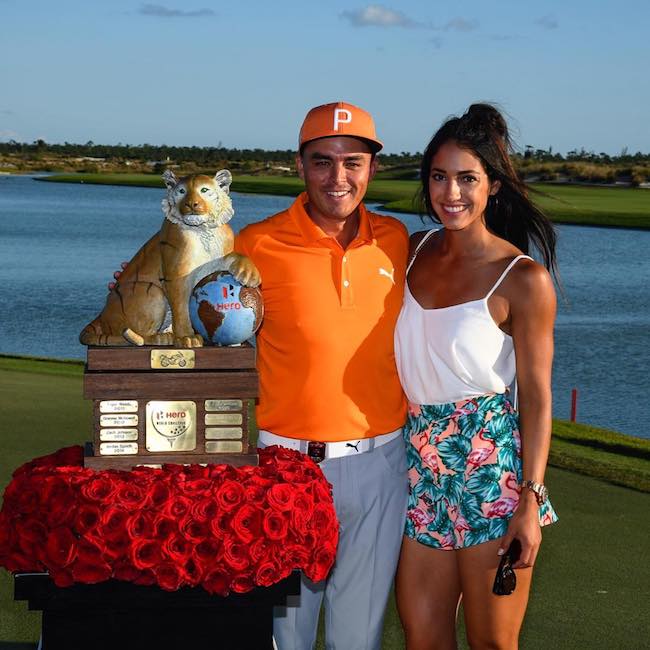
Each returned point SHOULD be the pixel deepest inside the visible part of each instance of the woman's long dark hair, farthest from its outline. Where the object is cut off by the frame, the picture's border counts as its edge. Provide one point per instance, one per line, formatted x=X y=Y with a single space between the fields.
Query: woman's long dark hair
x=510 y=214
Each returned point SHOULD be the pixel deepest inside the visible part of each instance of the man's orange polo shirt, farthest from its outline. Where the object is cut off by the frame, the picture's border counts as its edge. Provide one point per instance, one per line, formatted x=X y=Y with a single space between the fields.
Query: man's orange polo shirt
x=325 y=348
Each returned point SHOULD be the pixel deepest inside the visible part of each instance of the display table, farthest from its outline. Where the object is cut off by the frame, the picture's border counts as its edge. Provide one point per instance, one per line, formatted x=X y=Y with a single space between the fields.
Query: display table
x=123 y=616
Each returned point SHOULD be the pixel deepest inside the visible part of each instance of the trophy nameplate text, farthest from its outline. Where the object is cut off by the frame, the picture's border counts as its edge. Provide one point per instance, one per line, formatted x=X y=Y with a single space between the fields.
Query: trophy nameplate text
x=154 y=406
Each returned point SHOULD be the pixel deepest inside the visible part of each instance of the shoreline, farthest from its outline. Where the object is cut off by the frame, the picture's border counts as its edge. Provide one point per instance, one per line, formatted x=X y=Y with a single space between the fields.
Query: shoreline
x=397 y=196
x=614 y=457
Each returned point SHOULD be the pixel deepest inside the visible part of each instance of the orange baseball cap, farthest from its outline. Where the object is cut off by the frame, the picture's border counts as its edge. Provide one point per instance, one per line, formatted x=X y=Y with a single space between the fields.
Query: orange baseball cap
x=339 y=118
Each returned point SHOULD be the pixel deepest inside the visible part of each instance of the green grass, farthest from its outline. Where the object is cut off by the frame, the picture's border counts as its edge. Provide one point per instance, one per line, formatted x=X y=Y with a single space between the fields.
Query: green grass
x=592 y=578
x=582 y=205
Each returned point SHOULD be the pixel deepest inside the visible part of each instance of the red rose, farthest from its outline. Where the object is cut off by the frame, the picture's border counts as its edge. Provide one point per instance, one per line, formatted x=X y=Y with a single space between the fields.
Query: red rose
x=322 y=561
x=217 y=581
x=220 y=525
x=125 y=571
x=235 y=554
x=33 y=531
x=205 y=509
x=164 y=527
x=321 y=491
x=158 y=494
x=206 y=552
x=144 y=554
x=177 y=506
x=267 y=573
x=242 y=583
x=60 y=500
x=247 y=523
x=229 y=495
x=323 y=518
x=69 y=456
x=280 y=496
x=91 y=573
x=27 y=499
x=61 y=577
x=295 y=555
x=60 y=548
x=168 y=576
x=194 y=530
x=146 y=577
x=177 y=548
x=89 y=551
x=275 y=525
x=261 y=549
x=254 y=493
x=130 y=495
x=140 y=525
x=98 y=489
x=197 y=487
x=87 y=519
x=112 y=523
x=193 y=573
x=300 y=515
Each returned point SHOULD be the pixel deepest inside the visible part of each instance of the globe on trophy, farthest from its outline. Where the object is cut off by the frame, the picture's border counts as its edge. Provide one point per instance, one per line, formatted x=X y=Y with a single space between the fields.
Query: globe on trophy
x=223 y=311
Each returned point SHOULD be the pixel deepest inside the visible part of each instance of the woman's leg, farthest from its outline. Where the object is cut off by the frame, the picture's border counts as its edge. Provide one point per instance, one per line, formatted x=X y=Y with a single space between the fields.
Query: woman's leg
x=491 y=621
x=427 y=588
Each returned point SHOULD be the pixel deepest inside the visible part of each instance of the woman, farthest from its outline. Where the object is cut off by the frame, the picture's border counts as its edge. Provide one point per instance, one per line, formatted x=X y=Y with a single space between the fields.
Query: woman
x=476 y=309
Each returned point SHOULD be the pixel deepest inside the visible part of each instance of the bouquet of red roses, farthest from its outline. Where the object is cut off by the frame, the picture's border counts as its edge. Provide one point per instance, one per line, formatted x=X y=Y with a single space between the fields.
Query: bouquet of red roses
x=222 y=527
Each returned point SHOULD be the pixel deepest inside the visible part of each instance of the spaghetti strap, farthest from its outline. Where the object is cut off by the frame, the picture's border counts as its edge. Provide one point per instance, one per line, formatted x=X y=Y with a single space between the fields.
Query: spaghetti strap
x=507 y=270
x=418 y=247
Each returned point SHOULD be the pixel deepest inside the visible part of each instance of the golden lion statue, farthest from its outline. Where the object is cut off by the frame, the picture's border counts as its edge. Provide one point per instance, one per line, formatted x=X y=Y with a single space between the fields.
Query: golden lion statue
x=193 y=241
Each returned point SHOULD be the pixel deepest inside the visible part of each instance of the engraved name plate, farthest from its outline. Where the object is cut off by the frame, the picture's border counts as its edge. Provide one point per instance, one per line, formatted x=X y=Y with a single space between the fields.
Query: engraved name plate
x=223 y=446
x=118 y=448
x=122 y=420
x=117 y=435
x=171 y=426
x=212 y=419
x=223 y=405
x=172 y=359
x=223 y=433
x=119 y=406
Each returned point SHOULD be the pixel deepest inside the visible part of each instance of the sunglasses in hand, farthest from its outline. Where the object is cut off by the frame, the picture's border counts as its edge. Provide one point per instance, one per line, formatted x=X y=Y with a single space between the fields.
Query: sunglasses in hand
x=505 y=581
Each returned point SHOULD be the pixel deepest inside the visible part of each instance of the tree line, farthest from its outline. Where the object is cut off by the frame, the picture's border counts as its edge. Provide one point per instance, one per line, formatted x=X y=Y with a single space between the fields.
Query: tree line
x=209 y=155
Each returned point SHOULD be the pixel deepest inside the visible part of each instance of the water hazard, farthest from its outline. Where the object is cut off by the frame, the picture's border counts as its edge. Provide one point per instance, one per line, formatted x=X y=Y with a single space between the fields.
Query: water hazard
x=59 y=245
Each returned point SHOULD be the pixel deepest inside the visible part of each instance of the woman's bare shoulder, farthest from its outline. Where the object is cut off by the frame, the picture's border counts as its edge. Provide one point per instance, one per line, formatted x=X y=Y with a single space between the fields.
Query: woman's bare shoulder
x=529 y=283
x=416 y=238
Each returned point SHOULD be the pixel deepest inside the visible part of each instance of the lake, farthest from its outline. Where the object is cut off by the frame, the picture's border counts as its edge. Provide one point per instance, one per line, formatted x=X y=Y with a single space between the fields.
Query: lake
x=60 y=243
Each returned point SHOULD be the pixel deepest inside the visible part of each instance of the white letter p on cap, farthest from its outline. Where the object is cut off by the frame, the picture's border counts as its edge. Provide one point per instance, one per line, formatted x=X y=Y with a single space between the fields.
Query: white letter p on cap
x=341 y=116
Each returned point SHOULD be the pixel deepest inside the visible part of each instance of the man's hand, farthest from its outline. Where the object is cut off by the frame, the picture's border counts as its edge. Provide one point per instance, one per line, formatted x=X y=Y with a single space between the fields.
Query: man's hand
x=244 y=270
x=116 y=275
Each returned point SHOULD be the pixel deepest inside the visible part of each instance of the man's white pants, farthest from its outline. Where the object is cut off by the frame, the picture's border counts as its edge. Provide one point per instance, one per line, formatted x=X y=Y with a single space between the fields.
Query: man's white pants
x=370 y=494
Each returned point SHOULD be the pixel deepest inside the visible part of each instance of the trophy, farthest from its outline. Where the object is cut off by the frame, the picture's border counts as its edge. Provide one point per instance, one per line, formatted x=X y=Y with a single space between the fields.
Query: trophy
x=171 y=377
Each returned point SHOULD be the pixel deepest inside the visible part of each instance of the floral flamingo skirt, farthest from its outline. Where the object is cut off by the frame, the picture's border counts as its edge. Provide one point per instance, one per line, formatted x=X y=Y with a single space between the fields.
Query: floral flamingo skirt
x=464 y=472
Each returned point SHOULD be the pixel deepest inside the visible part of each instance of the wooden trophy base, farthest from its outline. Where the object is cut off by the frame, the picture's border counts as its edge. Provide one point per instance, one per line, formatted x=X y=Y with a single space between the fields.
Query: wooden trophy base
x=129 y=462
x=154 y=406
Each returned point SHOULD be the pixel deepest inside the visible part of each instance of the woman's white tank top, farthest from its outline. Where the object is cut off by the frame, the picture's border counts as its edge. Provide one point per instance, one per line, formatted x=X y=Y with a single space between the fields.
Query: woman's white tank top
x=449 y=354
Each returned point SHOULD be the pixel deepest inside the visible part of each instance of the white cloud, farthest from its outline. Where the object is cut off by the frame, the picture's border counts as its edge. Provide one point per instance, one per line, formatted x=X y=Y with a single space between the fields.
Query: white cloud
x=8 y=134
x=549 y=21
x=166 y=12
x=461 y=25
x=378 y=16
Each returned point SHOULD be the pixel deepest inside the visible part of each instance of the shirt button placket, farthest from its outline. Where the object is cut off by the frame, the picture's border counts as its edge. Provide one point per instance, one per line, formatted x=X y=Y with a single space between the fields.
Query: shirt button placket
x=346 y=289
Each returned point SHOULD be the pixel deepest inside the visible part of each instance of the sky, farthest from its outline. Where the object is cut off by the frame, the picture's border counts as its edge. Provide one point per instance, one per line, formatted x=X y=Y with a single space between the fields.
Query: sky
x=568 y=74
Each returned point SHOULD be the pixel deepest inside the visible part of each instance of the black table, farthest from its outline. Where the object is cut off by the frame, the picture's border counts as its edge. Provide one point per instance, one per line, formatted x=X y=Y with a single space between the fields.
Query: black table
x=123 y=616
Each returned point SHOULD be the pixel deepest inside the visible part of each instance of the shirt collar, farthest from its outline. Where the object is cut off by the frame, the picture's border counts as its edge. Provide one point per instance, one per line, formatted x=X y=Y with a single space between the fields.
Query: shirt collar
x=313 y=233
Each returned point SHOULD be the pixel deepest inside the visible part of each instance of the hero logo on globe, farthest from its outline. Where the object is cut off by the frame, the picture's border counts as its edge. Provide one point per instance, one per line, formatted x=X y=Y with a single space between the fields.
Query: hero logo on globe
x=223 y=311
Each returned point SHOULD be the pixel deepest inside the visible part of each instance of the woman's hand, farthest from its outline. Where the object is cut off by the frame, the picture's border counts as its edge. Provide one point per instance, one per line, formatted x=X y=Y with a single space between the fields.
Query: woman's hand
x=524 y=526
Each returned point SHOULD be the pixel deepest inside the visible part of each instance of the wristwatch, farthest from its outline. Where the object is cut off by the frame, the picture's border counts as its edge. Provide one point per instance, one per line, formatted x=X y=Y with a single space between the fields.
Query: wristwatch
x=538 y=489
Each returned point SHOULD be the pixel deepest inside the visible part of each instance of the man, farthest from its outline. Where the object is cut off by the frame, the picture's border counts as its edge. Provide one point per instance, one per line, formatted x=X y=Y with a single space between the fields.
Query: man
x=332 y=279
